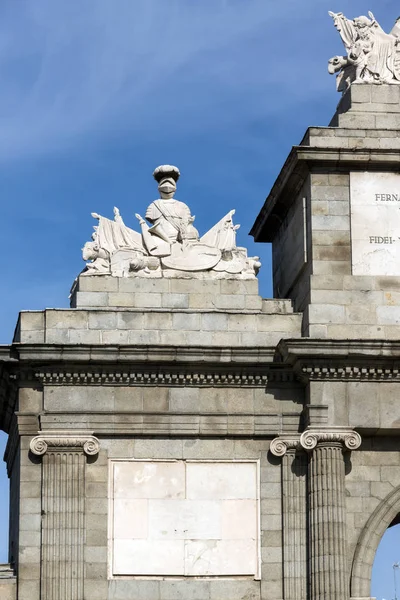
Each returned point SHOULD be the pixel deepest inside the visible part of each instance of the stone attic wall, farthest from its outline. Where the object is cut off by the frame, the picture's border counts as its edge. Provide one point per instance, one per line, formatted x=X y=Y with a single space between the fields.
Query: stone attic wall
x=140 y=311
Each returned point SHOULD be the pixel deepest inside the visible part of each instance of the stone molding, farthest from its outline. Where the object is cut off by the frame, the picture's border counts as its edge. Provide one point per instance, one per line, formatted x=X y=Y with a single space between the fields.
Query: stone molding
x=349 y=373
x=341 y=360
x=171 y=377
x=188 y=424
x=71 y=440
x=137 y=355
x=280 y=445
x=349 y=438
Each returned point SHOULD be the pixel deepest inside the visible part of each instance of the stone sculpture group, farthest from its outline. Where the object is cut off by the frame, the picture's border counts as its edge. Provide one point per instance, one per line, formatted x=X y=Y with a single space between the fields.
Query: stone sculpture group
x=169 y=245
x=373 y=56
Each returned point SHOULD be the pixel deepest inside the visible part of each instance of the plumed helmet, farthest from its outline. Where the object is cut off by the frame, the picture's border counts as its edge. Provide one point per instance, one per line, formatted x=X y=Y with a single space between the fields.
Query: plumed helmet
x=166 y=171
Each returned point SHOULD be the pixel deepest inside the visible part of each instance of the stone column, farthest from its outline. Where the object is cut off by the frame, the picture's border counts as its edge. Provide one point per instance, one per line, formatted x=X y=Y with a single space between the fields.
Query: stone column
x=328 y=547
x=63 y=510
x=294 y=512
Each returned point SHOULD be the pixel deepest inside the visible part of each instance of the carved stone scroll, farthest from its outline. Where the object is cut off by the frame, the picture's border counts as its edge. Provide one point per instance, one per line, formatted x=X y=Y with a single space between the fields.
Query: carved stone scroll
x=294 y=472
x=59 y=440
x=63 y=510
x=310 y=438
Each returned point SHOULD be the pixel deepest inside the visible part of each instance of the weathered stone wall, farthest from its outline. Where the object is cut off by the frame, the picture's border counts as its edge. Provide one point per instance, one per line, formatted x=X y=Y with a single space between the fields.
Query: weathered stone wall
x=8 y=584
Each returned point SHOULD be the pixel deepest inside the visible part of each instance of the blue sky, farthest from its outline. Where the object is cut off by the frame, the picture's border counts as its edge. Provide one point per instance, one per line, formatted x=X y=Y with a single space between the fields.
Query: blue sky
x=94 y=94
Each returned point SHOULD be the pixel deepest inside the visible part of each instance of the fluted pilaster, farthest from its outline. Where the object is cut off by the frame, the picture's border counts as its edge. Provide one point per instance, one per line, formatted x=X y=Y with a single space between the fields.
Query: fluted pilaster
x=328 y=548
x=294 y=470
x=63 y=510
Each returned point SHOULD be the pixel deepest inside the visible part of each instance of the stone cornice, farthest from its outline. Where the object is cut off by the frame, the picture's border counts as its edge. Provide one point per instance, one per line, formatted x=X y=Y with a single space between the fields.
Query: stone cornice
x=65 y=440
x=282 y=444
x=348 y=373
x=341 y=360
x=292 y=350
x=311 y=438
x=67 y=353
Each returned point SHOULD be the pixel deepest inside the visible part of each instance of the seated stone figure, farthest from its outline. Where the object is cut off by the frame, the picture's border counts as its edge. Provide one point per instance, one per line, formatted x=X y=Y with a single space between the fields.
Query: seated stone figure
x=169 y=243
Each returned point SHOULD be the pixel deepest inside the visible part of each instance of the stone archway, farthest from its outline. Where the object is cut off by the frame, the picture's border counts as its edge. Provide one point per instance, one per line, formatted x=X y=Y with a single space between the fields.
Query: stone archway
x=383 y=517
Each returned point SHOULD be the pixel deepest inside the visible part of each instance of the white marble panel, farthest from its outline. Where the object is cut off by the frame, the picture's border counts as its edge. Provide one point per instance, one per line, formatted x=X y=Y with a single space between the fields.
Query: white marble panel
x=147 y=557
x=375 y=223
x=142 y=479
x=221 y=481
x=202 y=522
x=184 y=519
x=130 y=519
x=220 y=557
x=239 y=519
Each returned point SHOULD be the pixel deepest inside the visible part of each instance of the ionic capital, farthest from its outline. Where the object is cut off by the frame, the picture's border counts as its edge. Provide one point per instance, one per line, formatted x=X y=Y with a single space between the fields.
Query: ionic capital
x=59 y=440
x=280 y=445
x=350 y=439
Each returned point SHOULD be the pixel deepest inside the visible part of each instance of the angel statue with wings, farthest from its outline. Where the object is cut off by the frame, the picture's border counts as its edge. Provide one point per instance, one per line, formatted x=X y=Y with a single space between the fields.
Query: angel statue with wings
x=373 y=56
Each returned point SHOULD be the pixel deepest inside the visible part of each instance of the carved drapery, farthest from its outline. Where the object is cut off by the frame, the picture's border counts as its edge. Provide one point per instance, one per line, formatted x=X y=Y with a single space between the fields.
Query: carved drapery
x=329 y=577
x=294 y=512
x=63 y=511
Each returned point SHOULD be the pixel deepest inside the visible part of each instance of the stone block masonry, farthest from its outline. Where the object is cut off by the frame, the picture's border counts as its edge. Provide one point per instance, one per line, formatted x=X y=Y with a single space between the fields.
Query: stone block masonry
x=179 y=437
x=226 y=313
x=348 y=284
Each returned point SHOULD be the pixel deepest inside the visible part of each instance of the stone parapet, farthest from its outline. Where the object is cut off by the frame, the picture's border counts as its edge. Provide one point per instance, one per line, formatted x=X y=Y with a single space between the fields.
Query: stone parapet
x=160 y=326
x=169 y=293
x=369 y=106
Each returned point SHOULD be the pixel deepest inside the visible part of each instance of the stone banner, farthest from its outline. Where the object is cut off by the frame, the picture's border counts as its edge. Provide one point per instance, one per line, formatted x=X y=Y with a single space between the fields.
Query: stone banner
x=375 y=223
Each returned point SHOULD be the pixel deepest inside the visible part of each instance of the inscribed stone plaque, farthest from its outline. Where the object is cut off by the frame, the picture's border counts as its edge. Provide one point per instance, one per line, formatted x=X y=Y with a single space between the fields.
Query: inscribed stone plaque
x=178 y=518
x=375 y=223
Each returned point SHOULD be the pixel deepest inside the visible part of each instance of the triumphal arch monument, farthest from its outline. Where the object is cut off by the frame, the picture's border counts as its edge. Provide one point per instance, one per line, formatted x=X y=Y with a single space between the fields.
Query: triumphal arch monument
x=173 y=435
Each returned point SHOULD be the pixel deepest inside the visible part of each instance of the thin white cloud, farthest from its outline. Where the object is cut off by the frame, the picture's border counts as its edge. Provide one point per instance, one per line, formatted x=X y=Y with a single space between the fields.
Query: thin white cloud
x=71 y=68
